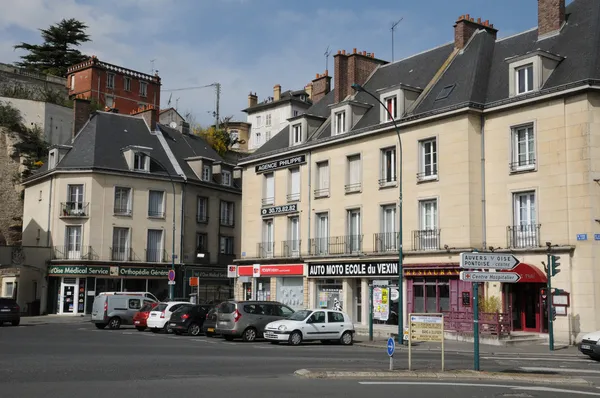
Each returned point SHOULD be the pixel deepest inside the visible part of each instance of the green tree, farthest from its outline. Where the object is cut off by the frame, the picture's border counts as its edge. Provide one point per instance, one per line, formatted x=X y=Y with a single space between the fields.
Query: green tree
x=58 y=51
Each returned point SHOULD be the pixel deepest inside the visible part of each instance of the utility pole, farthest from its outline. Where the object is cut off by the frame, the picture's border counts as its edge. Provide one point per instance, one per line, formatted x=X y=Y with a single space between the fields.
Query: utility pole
x=393 y=31
x=218 y=92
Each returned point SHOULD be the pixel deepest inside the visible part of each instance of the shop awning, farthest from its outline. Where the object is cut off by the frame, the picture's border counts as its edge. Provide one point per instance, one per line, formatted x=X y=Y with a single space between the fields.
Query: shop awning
x=529 y=273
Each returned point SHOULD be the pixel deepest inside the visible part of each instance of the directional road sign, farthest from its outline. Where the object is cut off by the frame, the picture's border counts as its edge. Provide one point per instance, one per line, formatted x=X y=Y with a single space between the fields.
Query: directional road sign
x=488 y=260
x=506 y=277
x=171 y=275
x=391 y=346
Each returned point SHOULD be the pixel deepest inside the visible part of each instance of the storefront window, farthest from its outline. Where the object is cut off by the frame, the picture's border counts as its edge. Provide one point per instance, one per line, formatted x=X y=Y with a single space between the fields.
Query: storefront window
x=263 y=289
x=290 y=291
x=247 y=288
x=329 y=294
x=159 y=288
x=213 y=292
x=431 y=295
x=107 y=285
x=134 y=285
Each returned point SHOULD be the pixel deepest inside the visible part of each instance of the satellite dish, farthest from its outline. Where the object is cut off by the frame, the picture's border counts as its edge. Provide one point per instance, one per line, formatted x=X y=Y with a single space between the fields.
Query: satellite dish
x=173 y=125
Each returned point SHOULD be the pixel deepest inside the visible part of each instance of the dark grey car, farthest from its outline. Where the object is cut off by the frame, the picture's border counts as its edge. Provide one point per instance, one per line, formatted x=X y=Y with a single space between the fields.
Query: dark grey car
x=247 y=319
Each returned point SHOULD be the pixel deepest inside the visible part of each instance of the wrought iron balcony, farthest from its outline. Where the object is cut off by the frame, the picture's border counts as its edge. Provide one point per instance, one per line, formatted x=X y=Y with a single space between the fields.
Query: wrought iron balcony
x=265 y=250
x=122 y=254
x=523 y=236
x=322 y=192
x=73 y=252
x=74 y=210
x=523 y=165
x=349 y=244
x=293 y=197
x=202 y=218
x=156 y=256
x=268 y=201
x=227 y=222
x=426 y=239
x=291 y=248
x=351 y=188
x=386 y=242
x=388 y=181
x=122 y=211
x=156 y=214
x=428 y=175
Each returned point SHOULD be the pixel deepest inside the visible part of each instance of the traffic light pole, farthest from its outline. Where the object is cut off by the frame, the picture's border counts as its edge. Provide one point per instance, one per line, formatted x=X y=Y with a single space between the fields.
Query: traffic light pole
x=549 y=303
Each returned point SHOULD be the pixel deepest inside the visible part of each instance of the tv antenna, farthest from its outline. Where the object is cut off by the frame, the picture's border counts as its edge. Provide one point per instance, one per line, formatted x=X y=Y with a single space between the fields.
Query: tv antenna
x=327 y=52
x=393 y=29
x=152 y=62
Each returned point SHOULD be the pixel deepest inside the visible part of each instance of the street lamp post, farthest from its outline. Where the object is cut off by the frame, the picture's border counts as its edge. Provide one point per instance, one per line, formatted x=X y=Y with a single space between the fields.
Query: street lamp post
x=359 y=88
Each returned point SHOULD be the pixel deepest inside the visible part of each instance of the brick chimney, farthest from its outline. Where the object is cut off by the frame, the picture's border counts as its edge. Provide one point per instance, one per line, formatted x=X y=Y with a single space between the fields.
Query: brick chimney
x=466 y=26
x=148 y=113
x=309 y=90
x=252 y=100
x=82 y=108
x=277 y=92
x=352 y=68
x=321 y=86
x=551 y=16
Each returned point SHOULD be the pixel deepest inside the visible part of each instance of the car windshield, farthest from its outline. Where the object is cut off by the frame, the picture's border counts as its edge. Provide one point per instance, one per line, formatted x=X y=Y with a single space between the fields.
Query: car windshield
x=299 y=315
x=184 y=309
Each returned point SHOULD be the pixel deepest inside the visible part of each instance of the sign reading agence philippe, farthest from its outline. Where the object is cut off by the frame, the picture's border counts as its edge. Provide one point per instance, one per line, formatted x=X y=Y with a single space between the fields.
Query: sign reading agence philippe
x=280 y=164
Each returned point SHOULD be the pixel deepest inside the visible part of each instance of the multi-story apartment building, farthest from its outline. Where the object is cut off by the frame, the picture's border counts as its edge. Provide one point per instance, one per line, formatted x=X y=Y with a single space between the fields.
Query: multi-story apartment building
x=240 y=134
x=113 y=86
x=271 y=115
x=127 y=200
x=497 y=154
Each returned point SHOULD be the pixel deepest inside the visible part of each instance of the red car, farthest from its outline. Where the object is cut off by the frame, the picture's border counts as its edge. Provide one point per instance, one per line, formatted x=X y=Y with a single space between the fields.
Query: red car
x=139 y=319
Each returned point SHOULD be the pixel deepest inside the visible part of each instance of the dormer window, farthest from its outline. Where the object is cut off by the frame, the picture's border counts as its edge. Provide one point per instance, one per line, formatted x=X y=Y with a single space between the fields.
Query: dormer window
x=226 y=178
x=529 y=72
x=297 y=134
x=141 y=162
x=52 y=158
x=391 y=104
x=340 y=123
x=206 y=173
x=524 y=79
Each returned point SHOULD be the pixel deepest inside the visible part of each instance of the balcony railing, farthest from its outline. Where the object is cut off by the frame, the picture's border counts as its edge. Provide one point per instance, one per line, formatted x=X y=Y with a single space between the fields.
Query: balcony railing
x=202 y=218
x=73 y=252
x=389 y=181
x=427 y=175
x=321 y=192
x=227 y=222
x=122 y=211
x=121 y=254
x=386 y=242
x=523 y=236
x=265 y=250
x=291 y=248
x=349 y=244
x=522 y=165
x=351 y=188
x=293 y=197
x=426 y=239
x=156 y=256
x=74 y=210
x=268 y=201
x=156 y=214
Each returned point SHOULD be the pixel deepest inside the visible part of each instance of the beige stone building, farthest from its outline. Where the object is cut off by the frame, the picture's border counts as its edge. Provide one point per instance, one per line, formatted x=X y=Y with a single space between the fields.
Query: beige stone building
x=124 y=203
x=499 y=154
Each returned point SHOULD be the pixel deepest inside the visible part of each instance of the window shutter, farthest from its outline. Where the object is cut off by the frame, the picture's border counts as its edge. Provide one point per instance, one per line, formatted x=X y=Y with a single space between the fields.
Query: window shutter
x=270 y=186
x=295 y=177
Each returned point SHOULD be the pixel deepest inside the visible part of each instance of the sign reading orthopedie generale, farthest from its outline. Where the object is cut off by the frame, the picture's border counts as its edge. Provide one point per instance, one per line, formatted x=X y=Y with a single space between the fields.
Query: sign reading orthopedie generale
x=280 y=164
x=144 y=272
x=353 y=269
x=277 y=210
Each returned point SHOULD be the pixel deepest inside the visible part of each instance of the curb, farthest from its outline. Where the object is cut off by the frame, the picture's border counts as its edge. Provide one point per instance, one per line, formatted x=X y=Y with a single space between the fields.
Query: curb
x=454 y=375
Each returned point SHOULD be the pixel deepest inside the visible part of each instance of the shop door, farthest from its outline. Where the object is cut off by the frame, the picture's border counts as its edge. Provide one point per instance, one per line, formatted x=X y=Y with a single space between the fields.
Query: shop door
x=526 y=314
x=69 y=296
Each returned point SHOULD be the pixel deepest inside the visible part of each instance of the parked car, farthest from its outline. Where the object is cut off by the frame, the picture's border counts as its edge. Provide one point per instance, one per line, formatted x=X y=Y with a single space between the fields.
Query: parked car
x=209 y=326
x=247 y=319
x=305 y=325
x=590 y=345
x=116 y=310
x=158 y=320
x=143 y=294
x=189 y=319
x=10 y=311
x=139 y=319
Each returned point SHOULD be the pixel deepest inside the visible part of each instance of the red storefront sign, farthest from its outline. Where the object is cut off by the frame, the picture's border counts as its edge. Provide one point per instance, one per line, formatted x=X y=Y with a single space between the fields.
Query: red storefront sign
x=273 y=270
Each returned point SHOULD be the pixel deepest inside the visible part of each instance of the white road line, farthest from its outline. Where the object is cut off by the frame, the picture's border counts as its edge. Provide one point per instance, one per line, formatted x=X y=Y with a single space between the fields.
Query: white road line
x=538 y=359
x=559 y=370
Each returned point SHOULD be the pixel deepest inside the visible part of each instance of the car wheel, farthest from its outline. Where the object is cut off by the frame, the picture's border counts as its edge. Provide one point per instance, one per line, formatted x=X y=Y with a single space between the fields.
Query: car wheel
x=249 y=335
x=140 y=328
x=166 y=329
x=16 y=323
x=295 y=338
x=346 y=338
x=114 y=323
x=100 y=325
x=228 y=338
x=194 y=329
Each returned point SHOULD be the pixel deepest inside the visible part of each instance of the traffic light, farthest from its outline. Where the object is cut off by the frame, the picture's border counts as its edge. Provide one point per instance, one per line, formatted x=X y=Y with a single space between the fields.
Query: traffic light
x=554 y=265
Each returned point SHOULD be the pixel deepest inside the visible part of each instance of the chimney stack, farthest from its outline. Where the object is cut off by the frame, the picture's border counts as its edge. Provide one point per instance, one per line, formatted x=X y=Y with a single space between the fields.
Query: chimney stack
x=252 y=100
x=309 y=90
x=148 y=113
x=465 y=27
x=354 y=67
x=551 y=16
x=277 y=92
x=82 y=108
x=321 y=86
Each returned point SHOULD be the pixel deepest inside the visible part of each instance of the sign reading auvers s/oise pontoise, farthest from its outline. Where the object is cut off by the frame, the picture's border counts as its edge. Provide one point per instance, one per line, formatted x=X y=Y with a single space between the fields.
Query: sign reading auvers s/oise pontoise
x=280 y=164
x=276 y=210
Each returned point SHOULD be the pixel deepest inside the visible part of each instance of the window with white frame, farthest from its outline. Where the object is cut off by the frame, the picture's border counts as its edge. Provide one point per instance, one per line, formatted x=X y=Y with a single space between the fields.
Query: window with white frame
x=428 y=159
x=354 y=183
x=234 y=135
x=354 y=238
x=156 y=204
x=9 y=289
x=141 y=162
x=121 y=244
x=258 y=121
x=268 y=189
x=340 y=123
x=524 y=79
x=74 y=205
x=391 y=105
x=227 y=213
x=296 y=113
x=110 y=101
x=73 y=241
x=257 y=139
x=322 y=183
x=201 y=243
x=226 y=245
x=388 y=167
x=202 y=209
x=297 y=134
x=226 y=178
x=143 y=89
x=122 y=201
x=110 y=80
x=293 y=244
x=294 y=185
x=268 y=120
x=388 y=239
x=525 y=230
x=523 y=148
x=72 y=82
x=127 y=84
x=267 y=136
x=267 y=246
x=428 y=234
x=154 y=246
x=206 y=173
x=321 y=234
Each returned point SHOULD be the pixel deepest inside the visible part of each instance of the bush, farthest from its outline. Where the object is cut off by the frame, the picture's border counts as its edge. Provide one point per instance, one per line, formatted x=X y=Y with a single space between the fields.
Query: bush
x=490 y=304
x=10 y=117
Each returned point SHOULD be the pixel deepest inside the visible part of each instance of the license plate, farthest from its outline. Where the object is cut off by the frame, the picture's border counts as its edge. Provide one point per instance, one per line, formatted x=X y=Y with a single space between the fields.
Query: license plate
x=223 y=323
x=153 y=315
x=172 y=324
x=5 y=310
x=585 y=347
x=137 y=322
x=210 y=330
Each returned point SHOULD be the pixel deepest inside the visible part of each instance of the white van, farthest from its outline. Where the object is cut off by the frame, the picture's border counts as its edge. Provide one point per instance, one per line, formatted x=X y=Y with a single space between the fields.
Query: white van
x=143 y=294
x=114 y=310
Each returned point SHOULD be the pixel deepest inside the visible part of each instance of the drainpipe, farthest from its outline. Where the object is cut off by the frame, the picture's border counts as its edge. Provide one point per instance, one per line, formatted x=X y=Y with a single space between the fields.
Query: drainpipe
x=49 y=212
x=483 y=201
x=309 y=197
x=182 y=229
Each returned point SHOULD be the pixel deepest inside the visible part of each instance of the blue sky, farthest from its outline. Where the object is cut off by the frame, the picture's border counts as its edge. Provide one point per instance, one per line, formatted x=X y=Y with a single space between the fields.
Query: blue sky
x=250 y=45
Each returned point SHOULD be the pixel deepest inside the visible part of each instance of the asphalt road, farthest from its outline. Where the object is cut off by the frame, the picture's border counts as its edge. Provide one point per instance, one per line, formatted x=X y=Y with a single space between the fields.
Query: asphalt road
x=79 y=360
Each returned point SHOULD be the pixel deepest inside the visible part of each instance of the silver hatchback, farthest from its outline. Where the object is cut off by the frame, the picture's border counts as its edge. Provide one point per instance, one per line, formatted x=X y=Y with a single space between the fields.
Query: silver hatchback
x=248 y=319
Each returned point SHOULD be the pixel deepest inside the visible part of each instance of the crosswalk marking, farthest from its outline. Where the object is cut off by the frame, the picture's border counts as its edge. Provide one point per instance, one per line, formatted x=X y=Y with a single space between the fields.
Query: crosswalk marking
x=558 y=370
x=499 y=358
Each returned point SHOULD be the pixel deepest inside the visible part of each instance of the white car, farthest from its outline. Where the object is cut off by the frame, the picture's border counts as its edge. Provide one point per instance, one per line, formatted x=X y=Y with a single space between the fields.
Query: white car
x=590 y=345
x=160 y=315
x=305 y=325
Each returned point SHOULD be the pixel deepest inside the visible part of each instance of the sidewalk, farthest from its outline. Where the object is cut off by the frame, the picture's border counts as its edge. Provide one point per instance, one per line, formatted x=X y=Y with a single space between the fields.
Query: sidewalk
x=466 y=347
x=54 y=319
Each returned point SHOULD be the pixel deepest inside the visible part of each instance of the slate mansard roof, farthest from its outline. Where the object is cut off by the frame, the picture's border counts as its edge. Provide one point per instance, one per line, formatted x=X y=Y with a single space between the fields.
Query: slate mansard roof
x=479 y=75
